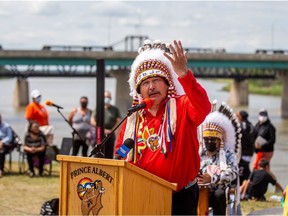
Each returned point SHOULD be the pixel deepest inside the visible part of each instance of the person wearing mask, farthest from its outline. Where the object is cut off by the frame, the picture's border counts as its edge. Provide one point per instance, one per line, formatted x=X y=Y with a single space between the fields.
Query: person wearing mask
x=35 y=146
x=165 y=132
x=5 y=140
x=111 y=119
x=219 y=162
x=265 y=138
x=247 y=145
x=79 y=118
x=35 y=111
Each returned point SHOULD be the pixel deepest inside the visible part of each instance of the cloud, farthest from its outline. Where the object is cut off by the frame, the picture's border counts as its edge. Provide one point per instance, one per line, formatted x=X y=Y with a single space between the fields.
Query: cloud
x=112 y=9
x=233 y=25
x=44 y=8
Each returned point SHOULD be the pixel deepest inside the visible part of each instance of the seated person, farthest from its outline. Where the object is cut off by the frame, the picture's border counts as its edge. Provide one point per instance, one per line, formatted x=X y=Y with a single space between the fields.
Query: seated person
x=35 y=146
x=5 y=140
x=219 y=164
x=257 y=184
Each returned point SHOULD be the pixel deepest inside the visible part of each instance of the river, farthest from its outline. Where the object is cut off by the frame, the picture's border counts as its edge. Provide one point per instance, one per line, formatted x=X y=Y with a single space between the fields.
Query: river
x=66 y=92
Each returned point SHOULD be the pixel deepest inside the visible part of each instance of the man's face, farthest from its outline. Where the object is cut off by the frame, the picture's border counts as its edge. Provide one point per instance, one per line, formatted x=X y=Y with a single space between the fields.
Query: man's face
x=154 y=88
x=37 y=99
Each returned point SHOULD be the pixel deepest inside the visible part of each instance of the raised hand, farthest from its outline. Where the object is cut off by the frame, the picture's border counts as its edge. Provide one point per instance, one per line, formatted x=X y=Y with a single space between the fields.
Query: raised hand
x=178 y=59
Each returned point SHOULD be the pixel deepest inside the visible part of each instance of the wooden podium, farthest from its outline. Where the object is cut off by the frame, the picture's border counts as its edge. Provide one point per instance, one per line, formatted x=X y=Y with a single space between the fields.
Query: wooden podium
x=96 y=186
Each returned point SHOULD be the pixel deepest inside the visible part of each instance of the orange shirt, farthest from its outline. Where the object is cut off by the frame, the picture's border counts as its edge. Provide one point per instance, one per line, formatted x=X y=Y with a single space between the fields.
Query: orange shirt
x=37 y=112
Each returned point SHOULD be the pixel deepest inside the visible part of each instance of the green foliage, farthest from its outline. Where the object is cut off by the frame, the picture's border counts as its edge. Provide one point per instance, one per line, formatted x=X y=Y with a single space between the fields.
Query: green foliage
x=262 y=87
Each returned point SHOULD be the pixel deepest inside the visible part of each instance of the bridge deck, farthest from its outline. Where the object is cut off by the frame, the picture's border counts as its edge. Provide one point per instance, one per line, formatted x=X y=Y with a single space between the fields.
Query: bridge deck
x=83 y=63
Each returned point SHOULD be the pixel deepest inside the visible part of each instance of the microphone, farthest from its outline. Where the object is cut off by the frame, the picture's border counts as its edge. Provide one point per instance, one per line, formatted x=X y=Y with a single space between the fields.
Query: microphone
x=124 y=149
x=50 y=103
x=146 y=103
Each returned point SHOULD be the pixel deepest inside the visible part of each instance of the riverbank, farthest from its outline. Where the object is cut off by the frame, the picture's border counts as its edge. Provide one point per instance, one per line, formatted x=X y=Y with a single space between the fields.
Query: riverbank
x=259 y=87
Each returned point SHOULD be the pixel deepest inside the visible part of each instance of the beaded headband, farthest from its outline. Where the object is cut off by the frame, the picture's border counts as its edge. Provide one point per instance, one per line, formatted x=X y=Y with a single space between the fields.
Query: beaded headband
x=151 y=62
x=212 y=129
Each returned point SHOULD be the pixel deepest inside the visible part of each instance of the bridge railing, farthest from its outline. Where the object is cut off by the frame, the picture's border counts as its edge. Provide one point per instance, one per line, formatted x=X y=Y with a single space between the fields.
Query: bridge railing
x=76 y=48
x=271 y=51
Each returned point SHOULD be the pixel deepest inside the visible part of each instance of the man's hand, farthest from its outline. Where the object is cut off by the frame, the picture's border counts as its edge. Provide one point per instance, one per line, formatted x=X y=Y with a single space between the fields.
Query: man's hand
x=178 y=59
x=107 y=131
x=1 y=144
x=204 y=179
x=257 y=146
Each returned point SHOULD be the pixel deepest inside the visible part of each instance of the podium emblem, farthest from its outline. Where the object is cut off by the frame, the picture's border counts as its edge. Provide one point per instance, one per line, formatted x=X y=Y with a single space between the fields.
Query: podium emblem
x=90 y=193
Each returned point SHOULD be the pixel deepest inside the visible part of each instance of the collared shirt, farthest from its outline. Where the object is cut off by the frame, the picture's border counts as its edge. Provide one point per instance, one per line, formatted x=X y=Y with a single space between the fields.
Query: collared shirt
x=5 y=133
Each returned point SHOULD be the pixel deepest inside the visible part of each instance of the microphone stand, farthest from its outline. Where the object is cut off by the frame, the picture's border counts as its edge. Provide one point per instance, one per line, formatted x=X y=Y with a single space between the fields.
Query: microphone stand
x=97 y=150
x=73 y=129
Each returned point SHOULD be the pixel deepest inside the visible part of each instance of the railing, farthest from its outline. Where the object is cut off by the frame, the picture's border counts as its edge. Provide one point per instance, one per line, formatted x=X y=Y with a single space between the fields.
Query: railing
x=76 y=48
x=271 y=51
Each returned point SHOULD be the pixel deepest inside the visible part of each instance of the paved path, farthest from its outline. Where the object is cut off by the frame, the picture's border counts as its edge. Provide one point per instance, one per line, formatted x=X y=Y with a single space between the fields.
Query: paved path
x=268 y=211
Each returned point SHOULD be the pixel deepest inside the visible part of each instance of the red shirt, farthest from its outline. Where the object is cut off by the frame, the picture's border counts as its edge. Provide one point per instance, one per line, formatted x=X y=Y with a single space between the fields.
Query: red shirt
x=37 y=112
x=180 y=166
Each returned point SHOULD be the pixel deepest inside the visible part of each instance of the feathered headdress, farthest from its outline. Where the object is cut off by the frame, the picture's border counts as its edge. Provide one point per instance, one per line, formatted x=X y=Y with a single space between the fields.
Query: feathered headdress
x=149 y=63
x=224 y=124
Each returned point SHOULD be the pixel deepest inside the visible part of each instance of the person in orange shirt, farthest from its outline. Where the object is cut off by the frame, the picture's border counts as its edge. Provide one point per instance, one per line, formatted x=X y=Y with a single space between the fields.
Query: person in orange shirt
x=37 y=112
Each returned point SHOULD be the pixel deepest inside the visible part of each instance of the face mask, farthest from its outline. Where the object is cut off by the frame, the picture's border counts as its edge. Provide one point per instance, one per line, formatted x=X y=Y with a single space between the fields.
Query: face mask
x=107 y=100
x=38 y=99
x=84 y=104
x=211 y=147
x=263 y=119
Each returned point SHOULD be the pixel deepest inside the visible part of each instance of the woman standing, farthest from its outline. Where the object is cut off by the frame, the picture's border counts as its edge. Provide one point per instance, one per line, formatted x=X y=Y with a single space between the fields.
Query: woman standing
x=79 y=118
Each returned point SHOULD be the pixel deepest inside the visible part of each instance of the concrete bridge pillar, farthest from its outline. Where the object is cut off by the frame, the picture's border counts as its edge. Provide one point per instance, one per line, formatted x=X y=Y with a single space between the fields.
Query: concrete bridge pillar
x=21 y=93
x=284 y=99
x=239 y=93
x=123 y=99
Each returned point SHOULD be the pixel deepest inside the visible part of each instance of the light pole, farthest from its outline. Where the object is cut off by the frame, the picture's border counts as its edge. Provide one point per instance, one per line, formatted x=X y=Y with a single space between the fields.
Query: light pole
x=109 y=31
x=272 y=34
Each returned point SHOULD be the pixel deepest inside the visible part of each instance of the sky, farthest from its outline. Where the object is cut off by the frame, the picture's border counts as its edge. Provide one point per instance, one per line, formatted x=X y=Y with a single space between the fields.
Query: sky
x=236 y=26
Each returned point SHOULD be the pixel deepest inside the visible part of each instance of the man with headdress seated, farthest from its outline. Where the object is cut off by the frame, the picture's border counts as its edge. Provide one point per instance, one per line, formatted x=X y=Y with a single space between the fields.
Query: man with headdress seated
x=165 y=134
x=219 y=164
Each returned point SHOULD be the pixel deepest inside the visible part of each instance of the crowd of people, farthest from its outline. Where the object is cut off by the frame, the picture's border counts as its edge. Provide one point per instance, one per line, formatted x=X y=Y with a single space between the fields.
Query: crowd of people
x=166 y=135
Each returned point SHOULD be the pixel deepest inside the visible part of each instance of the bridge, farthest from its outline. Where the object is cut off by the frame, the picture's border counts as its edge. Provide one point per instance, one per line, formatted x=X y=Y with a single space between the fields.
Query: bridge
x=80 y=61
x=46 y=63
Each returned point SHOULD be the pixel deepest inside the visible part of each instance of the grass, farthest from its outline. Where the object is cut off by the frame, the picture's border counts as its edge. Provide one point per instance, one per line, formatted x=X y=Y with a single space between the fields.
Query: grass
x=22 y=195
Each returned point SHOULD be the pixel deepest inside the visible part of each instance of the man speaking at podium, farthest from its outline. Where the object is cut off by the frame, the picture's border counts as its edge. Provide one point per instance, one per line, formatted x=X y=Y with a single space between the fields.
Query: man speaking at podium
x=165 y=134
